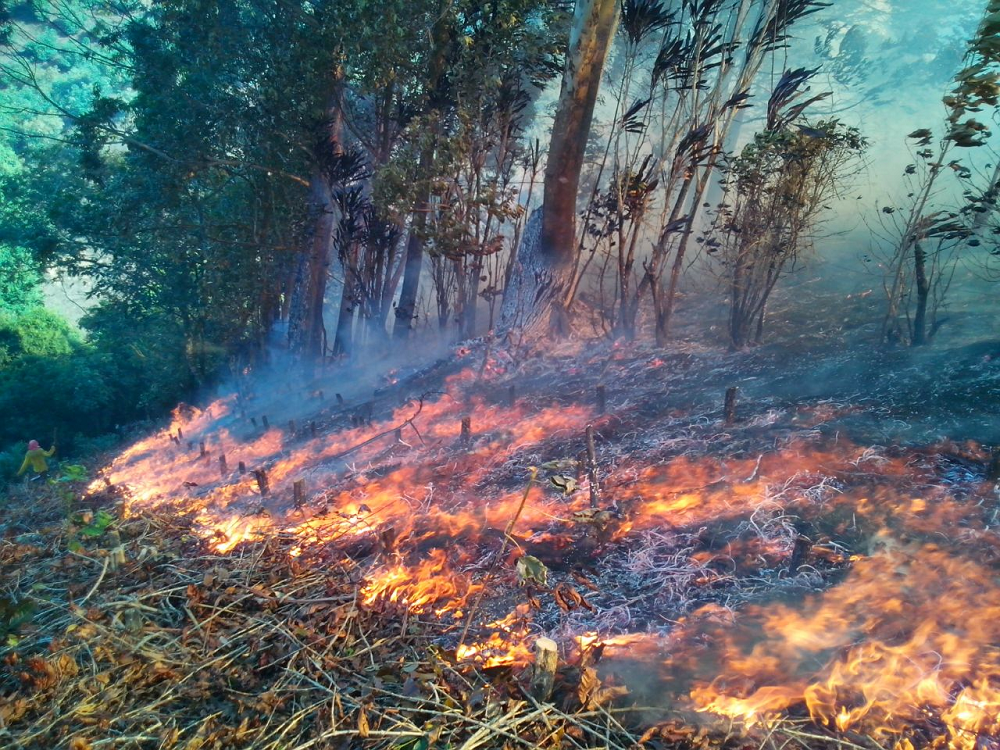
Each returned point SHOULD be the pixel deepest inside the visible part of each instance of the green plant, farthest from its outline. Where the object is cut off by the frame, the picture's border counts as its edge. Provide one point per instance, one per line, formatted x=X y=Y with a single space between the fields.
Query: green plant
x=14 y=612
x=87 y=526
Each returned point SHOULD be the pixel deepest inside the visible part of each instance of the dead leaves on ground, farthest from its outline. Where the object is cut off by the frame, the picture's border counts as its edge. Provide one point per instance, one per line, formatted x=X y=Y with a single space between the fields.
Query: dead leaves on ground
x=193 y=650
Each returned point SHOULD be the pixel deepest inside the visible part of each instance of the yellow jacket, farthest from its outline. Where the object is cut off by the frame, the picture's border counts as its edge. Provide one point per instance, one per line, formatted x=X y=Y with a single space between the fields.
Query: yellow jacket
x=36 y=459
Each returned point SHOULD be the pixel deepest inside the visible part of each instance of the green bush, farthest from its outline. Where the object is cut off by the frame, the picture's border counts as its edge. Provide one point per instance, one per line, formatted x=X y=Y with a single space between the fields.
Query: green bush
x=34 y=333
x=51 y=380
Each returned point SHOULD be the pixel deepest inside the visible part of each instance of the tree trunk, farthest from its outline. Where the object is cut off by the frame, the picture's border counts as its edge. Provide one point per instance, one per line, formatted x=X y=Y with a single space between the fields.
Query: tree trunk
x=305 y=317
x=923 y=292
x=548 y=249
x=306 y=334
x=343 y=342
x=414 y=261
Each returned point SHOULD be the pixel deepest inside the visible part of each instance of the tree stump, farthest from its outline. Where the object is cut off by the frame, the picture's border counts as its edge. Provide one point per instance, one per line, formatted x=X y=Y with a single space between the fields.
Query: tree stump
x=993 y=473
x=595 y=489
x=730 y=407
x=543 y=674
x=261 y=476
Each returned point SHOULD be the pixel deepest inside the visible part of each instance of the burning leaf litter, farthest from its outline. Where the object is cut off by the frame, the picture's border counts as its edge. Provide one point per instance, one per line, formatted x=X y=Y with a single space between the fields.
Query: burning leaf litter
x=727 y=584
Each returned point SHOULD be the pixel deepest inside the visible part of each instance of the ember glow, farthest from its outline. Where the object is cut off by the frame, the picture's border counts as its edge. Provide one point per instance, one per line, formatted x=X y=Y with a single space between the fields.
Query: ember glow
x=892 y=613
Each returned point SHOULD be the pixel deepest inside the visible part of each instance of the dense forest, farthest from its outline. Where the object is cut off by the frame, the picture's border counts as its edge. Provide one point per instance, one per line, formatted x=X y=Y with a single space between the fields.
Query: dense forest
x=229 y=180
x=481 y=341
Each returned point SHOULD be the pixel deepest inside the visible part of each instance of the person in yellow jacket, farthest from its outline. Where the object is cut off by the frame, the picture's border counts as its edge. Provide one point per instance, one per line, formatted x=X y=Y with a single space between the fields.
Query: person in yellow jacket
x=35 y=458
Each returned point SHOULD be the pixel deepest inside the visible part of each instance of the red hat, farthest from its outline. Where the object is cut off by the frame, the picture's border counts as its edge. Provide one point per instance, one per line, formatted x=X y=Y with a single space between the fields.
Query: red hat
x=33 y=445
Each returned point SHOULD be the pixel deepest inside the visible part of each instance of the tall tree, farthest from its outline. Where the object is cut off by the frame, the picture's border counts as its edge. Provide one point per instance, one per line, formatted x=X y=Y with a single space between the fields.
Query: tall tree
x=548 y=250
x=306 y=330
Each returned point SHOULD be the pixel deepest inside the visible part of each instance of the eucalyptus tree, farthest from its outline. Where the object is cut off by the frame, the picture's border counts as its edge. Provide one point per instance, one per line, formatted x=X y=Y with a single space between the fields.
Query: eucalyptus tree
x=549 y=251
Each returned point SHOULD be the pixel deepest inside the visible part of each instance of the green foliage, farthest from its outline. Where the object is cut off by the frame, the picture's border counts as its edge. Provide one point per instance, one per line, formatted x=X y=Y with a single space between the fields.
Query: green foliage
x=10 y=460
x=164 y=152
x=35 y=333
x=130 y=369
x=531 y=570
x=14 y=613
x=71 y=473
x=88 y=527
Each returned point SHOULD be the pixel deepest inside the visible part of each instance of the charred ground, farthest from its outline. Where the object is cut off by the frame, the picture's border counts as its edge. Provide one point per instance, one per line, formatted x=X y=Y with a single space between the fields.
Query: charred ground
x=805 y=573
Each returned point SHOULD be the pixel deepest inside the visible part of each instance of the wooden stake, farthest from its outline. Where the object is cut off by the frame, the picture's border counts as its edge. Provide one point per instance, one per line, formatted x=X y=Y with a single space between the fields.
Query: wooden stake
x=595 y=489
x=201 y=447
x=299 y=492
x=223 y=468
x=340 y=399
x=993 y=473
x=511 y=395
x=254 y=420
x=242 y=468
x=261 y=476
x=730 y=408
x=180 y=435
x=267 y=425
x=466 y=430
x=543 y=673
x=399 y=434
x=602 y=399
x=312 y=429
x=802 y=546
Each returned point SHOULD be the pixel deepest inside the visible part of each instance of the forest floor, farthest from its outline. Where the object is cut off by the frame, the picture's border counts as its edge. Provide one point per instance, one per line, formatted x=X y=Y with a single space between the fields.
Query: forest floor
x=820 y=572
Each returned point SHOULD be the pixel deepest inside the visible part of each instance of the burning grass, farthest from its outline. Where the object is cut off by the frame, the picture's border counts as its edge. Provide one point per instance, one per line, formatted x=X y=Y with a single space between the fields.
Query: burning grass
x=768 y=583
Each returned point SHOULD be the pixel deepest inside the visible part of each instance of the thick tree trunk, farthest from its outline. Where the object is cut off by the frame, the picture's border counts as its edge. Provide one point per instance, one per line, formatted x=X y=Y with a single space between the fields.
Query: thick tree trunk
x=547 y=255
x=306 y=333
x=305 y=317
x=594 y=25
x=343 y=342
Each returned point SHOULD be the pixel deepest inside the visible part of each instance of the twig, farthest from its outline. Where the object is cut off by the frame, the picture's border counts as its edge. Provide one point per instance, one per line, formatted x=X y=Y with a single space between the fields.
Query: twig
x=97 y=582
x=499 y=556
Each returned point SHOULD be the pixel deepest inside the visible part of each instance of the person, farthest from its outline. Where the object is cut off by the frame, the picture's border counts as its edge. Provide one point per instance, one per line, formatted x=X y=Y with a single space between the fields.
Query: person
x=35 y=458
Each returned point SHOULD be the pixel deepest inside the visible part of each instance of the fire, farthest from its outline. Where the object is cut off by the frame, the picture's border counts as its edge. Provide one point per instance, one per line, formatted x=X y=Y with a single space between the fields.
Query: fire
x=505 y=646
x=909 y=631
x=420 y=588
x=902 y=627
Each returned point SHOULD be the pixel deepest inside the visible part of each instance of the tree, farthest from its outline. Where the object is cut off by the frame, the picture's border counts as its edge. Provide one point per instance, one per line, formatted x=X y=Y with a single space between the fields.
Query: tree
x=922 y=242
x=549 y=248
x=775 y=191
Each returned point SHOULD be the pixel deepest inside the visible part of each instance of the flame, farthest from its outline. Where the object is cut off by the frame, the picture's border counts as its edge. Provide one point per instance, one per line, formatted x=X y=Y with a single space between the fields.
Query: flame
x=419 y=588
x=905 y=631
x=909 y=631
x=505 y=646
